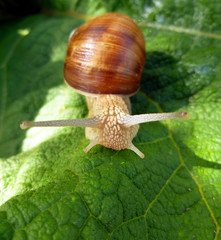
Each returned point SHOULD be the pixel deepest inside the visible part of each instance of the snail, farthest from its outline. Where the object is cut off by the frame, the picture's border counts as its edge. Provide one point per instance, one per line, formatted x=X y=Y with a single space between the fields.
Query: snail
x=104 y=62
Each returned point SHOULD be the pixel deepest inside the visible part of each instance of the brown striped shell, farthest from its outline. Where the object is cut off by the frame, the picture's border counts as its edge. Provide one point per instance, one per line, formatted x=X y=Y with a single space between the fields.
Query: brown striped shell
x=106 y=56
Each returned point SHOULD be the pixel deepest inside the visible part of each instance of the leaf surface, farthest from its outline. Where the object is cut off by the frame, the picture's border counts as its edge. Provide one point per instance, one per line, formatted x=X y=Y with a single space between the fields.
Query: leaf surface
x=51 y=189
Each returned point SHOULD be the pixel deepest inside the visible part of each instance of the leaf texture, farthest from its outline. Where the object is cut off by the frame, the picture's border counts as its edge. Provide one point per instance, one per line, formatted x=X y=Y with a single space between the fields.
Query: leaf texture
x=51 y=189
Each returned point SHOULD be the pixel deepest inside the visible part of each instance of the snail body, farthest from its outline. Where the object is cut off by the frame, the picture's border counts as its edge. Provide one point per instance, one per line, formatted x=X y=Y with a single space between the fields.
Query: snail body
x=104 y=61
x=110 y=112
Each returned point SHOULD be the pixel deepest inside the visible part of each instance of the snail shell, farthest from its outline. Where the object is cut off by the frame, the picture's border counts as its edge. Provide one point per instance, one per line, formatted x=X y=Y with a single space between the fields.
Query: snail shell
x=106 y=56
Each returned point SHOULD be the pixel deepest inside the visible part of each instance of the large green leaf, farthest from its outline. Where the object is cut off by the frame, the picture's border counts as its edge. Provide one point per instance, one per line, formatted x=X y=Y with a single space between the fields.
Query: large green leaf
x=51 y=189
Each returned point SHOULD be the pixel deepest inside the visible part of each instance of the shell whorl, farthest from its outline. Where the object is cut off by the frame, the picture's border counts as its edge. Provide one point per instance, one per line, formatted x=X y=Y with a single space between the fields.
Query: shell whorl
x=106 y=56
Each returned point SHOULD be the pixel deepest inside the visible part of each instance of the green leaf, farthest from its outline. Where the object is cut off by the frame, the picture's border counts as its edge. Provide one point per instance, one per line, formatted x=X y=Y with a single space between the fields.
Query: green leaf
x=51 y=189
x=86 y=8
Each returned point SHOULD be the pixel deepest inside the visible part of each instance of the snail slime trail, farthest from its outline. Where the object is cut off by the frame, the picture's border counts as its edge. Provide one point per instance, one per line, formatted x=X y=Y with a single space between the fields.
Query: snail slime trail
x=104 y=62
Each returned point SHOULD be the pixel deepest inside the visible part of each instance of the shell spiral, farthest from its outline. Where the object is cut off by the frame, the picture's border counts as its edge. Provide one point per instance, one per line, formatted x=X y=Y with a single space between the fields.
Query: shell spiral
x=106 y=56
